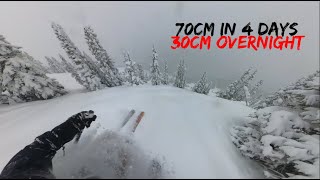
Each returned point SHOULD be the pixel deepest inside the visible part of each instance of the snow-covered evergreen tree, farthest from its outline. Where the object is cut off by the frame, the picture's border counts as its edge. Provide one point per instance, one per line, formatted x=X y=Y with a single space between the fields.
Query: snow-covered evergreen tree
x=255 y=93
x=292 y=95
x=247 y=95
x=94 y=67
x=54 y=65
x=303 y=96
x=129 y=68
x=36 y=63
x=308 y=98
x=59 y=65
x=7 y=51
x=137 y=75
x=147 y=77
x=165 y=77
x=86 y=76
x=67 y=65
x=141 y=73
x=131 y=73
x=284 y=135
x=172 y=79
x=235 y=91
x=155 y=69
x=51 y=67
x=180 y=80
x=106 y=64
x=203 y=85
x=254 y=89
x=22 y=79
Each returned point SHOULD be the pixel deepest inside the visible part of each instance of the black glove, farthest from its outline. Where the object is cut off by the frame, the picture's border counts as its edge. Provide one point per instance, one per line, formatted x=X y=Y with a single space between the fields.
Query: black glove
x=66 y=131
x=35 y=160
x=83 y=119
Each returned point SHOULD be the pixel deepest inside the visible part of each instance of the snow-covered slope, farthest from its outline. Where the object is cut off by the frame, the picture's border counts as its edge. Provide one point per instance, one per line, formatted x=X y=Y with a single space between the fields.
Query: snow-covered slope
x=191 y=131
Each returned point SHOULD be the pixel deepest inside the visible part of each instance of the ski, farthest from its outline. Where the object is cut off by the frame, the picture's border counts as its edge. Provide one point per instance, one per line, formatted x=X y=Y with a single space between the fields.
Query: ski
x=125 y=121
x=138 y=120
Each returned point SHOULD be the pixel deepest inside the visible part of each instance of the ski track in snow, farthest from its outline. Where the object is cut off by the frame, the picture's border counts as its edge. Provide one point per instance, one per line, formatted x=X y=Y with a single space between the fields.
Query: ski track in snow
x=190 y=130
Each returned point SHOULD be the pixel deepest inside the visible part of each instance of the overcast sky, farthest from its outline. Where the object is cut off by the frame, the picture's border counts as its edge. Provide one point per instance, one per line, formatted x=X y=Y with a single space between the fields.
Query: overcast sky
x=136 y=26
